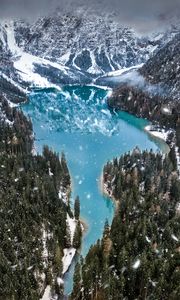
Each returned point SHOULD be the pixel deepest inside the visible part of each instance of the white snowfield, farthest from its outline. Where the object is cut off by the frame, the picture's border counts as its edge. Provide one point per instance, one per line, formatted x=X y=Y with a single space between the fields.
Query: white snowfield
x=162 y=134
x=69 y=254
x=24 y=62
x=47 y=293
x=123 y=71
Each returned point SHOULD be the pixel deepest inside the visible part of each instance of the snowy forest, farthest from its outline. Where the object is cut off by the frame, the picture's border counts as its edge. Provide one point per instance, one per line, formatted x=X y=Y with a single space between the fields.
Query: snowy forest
x=33 y=226
x=138 y=256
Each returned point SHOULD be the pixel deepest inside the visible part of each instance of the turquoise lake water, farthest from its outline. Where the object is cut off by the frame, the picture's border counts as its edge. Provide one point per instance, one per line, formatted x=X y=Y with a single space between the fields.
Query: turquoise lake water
x=78 y=122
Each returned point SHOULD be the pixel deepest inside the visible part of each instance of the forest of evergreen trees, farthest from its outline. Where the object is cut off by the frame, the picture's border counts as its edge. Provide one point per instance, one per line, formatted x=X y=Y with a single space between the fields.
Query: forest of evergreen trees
x=146 y=105
x=33 y=227
x=139 y=256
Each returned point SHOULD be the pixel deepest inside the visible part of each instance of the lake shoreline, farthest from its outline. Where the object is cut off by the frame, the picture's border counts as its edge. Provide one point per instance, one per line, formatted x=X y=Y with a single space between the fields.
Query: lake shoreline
x=158 y=135
x=107 y=193
x=87 y=149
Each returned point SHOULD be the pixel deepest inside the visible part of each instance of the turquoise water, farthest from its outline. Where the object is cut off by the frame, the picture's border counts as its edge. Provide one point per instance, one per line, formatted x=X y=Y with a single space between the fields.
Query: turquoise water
x=78 y=122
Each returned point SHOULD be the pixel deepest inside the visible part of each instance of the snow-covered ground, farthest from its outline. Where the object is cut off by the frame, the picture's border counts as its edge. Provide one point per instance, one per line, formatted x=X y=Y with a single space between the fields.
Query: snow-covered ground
x=24 y=62
x=123 y=71
x=14 y=84
x=69 y=254
x=161 y=134
x=63 y=195
x=47 y=293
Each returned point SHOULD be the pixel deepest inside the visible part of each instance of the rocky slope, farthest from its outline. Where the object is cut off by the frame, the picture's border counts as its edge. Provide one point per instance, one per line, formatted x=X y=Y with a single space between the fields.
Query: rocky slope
x=89 y=43
x=71 y=49
x=164 y=68
x=156 y=95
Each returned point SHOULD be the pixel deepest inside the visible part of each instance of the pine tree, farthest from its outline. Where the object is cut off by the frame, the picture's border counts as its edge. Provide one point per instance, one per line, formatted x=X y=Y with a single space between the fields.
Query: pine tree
x=77 y=208
x=172 y=156
x=76 y=294
x=58 y=260
x=68 y=237
x=77 y=236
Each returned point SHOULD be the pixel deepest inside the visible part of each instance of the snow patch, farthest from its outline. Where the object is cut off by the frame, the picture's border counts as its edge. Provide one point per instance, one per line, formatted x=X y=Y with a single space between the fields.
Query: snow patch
x=25 y=67
x=174 y=238
x=122 y=71
x=24 y=62
x=148 y=240
x=47 y=293
x=45 y=251
x=136 y=264
x=60 y=281
x=161 y=134
x=63 y=195
x=69 y=254
x=72 y=225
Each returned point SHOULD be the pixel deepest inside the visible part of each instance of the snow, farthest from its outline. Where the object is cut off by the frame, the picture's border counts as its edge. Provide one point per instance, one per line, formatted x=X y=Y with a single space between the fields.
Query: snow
x=60 y=281
x=63 y=195
x=45 y=251
x=50 y=172
x=178 y=159
x=69 y=254
x=11 y=42
x=166 y=110
x=64 y=58
x=13 y=83
x=136 y=264
x=148 y=240
x=94 y=69
x=47 y=293
x=178 y=208
x=174 y=238
x=24 y=62
x=159 y=134
x=72 y=225
x=123 y=70
x=25 y=67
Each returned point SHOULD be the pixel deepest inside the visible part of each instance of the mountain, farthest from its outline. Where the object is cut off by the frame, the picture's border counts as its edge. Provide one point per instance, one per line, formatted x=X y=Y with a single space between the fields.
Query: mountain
x=71 y=49
x=89 y=43
x=164 y=68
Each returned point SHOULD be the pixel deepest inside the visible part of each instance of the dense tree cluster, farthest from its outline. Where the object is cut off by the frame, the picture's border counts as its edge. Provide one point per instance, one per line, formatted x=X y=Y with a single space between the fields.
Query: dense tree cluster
x=33 y=227
x=163 y=68
x=12 y=91
x=145 y=105
x=138 y=257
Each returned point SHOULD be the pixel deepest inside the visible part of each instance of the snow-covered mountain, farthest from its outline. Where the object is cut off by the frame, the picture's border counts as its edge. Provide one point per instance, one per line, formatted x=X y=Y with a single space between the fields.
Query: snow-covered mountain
x=164 y=68
x=91 y=44
x=72 y=49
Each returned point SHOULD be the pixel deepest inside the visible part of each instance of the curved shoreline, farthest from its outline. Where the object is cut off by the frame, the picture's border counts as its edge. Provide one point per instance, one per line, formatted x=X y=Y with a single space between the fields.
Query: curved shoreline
x=162 y=137
x=156 y=135
x=106 y=193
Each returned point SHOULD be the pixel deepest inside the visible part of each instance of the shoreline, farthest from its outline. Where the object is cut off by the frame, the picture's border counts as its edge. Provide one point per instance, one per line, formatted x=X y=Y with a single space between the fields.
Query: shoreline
x=85 y=226
x=158 y=135
x=106 y=193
